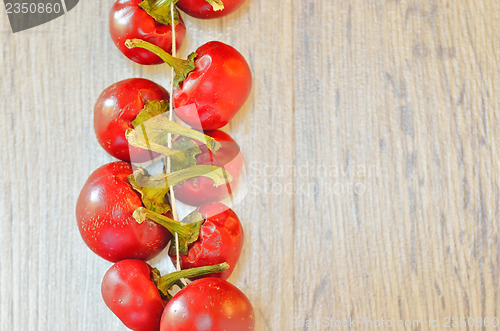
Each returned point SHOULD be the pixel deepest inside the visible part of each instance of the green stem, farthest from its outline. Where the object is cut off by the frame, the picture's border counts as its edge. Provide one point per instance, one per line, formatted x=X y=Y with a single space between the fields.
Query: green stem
x=161 y=125
x=188 y=233
x=217 y=174
x=166 y=282
x=153 y=189
x=181 y=67
x=139 y=137
x=141 y=214
x=160 y=11
x=151 y=109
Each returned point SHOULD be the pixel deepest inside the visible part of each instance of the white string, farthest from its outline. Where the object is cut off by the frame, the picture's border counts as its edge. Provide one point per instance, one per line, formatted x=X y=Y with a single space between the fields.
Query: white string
x=169 y=137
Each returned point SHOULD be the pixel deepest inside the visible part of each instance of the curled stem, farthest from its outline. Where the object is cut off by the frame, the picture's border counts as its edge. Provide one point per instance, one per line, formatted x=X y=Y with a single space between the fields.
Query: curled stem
x=181 y=67
x=166 y=282
x=188 y=233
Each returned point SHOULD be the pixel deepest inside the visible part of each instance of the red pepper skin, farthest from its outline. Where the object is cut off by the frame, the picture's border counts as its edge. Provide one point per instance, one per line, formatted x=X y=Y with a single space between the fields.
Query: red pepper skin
x=202 y=9
x=221 y=240
x=115 y=109
x=200 y=190
x=129 y=291
x=218 y=86
x=208 y=304
x=128 y=21
x=104 y=216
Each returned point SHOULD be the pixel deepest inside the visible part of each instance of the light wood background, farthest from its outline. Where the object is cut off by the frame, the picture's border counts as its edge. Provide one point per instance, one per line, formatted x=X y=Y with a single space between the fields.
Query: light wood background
x=372 y=146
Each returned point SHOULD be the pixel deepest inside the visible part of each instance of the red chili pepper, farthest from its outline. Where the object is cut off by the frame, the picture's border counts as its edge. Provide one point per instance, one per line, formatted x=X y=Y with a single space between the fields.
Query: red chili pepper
x=104 y=215
x=220 y=240
x=208 y=304
x=128 y=20
x=201 y=190
x=129 y=291
x=203 y=9
x=115 y=110
x=216 y=80
x=213 y=234
x=137 y=294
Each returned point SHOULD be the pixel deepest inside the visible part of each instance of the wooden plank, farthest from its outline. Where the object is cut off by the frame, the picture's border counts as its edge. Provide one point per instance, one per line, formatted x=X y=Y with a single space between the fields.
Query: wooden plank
x=399 y=96
x=371 y=141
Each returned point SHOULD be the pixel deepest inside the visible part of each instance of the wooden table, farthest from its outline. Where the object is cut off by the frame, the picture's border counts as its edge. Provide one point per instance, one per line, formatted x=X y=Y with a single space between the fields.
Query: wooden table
x=372 y=146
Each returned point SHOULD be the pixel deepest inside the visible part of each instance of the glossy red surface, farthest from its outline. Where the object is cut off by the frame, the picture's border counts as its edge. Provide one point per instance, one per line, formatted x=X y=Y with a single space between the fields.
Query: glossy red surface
x=221 y=240
x=129 y=292
x=128 y=21
x=202 y=9
x=201 y=190
x=218 y=86
x=208 y=304
x=115 y=109
x=104 y=216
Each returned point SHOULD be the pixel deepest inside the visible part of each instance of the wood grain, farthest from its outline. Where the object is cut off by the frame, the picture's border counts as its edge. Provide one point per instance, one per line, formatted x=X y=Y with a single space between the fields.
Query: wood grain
x=372 y=145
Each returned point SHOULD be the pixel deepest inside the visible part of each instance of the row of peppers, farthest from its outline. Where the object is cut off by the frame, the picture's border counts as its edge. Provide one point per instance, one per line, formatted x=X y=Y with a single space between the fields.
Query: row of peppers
x=128 y=216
